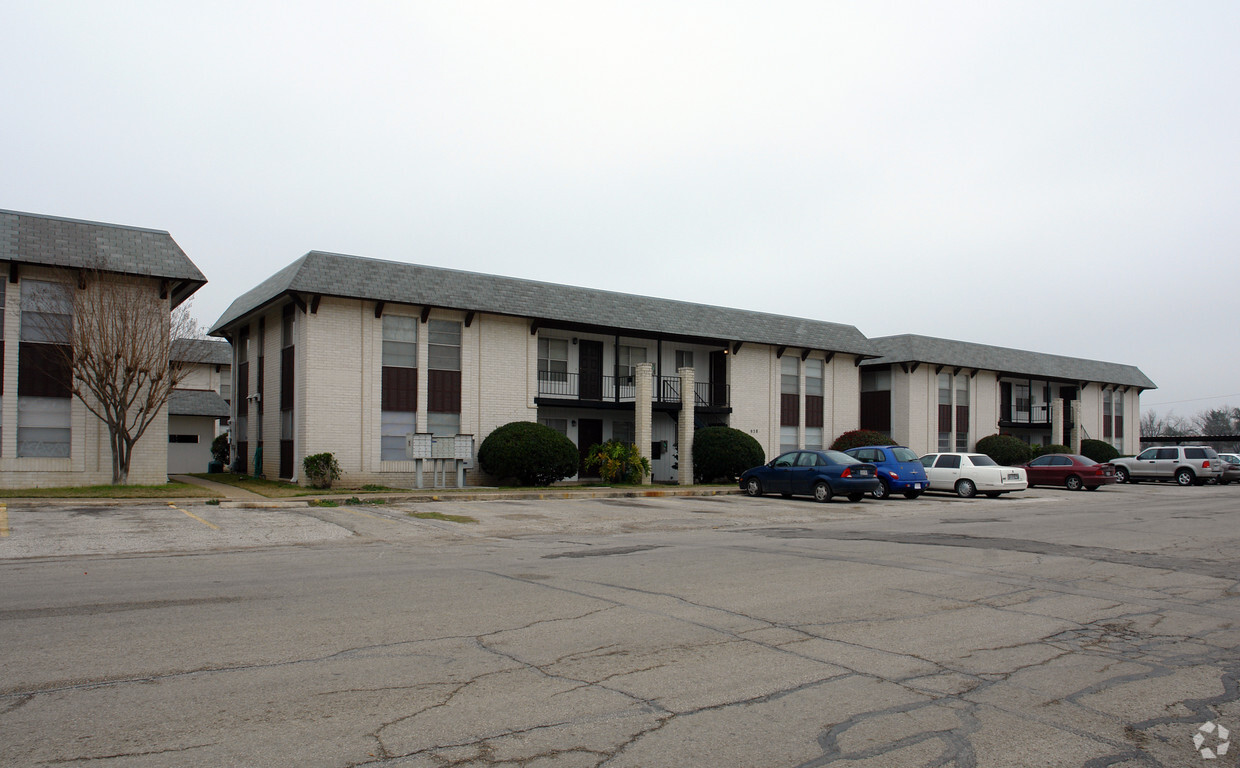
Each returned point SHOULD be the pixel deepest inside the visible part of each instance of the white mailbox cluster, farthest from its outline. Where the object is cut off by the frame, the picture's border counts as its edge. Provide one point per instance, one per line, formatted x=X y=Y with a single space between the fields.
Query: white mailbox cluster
x=457 y=451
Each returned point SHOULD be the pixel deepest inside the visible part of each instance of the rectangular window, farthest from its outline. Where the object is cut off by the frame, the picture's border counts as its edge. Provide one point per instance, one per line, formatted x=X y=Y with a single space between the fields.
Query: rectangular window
x=559 y=425
x=787 y=439
x=443 y=381
x=226 y=390
x=789 y=395
x=814 y=377
x=623 y=431
x=628 y=359
x=445 y=345
x=43 y=427
x=684 y=358
x=813 y=438
x=444 y=424
x=945 y=411
x=1118 y=436
x=44 y=372
x=399 y=385
x=1106 y=414
x=553 y=360
x=395 y=425
x=183 y=438
x=962 y=412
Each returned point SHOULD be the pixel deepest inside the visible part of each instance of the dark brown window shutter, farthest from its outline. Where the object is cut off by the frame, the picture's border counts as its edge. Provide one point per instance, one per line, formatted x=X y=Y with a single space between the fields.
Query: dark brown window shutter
x=286 y=379
x=400 y=389
x=789 y=410
x=813 y=411
x=443 y=391
x=43 y=370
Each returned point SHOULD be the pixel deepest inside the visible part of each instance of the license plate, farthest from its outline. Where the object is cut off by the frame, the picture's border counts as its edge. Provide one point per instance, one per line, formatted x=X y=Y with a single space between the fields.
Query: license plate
x=916 y=486
x=863 y=473
x=1013 y=476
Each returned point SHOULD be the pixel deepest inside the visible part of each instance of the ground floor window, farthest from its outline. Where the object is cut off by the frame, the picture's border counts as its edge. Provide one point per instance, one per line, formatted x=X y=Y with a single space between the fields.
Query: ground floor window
x=43 y=427
x=183 y=438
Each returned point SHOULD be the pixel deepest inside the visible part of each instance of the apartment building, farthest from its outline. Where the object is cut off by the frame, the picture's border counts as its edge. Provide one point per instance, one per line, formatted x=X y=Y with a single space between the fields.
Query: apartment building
x=942 y=395
x=353 y=356
x=48 y=437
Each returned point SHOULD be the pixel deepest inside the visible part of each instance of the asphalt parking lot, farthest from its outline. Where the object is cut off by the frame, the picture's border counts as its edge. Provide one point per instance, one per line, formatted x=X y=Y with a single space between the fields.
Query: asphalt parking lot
x=1045 y=628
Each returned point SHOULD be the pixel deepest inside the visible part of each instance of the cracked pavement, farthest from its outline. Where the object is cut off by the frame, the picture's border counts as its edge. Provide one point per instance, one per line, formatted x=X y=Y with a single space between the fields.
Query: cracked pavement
x=1044 y=629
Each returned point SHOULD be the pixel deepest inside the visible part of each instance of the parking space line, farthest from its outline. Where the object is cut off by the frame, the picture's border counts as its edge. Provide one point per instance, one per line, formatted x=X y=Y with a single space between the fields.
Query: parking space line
x=4 y=520
x=196 y=517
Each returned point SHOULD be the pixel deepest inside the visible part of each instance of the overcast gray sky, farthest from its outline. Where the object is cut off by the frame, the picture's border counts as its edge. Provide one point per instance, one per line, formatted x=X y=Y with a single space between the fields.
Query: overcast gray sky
x=1056 y=176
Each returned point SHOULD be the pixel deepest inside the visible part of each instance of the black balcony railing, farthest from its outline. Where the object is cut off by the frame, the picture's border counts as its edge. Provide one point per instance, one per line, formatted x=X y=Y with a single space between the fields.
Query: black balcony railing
x=1036 y=414
x=623 y=389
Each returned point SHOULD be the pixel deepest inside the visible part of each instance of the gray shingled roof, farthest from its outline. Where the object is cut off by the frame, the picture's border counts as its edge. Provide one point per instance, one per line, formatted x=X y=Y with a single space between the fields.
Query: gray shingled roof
x=28 y=238
x=331 y=274
x=911 y=348
x=196 y=402
x=207 y=351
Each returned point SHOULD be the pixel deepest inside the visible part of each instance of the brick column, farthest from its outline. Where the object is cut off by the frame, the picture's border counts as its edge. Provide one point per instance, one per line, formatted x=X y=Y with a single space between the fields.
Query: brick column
x=642 y=429
x=1057 y=422
x=684 y=432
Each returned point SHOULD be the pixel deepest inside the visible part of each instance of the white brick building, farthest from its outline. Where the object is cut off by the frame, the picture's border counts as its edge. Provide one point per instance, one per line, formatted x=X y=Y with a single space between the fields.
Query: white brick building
x=942 y=395
x=348 y=355
x=47 y=436
x=198 y=408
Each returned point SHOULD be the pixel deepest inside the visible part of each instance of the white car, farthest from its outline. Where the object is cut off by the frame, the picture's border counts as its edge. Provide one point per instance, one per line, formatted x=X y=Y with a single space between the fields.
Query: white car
x=968 y=473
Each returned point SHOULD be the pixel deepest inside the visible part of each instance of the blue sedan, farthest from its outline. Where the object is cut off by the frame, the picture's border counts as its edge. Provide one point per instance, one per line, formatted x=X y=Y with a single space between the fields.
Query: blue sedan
x=821 y=474
x=899 y=470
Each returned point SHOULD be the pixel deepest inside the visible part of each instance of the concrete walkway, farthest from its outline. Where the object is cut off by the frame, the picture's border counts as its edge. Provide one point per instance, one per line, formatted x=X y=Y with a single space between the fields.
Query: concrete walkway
x=230 y=492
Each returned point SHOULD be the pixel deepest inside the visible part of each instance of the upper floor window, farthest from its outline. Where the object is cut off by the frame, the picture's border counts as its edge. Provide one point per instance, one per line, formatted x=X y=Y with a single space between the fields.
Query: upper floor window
x=444 y=337
x=553 y=359
x=47 y=312
x=628 y=358
x=400 y=341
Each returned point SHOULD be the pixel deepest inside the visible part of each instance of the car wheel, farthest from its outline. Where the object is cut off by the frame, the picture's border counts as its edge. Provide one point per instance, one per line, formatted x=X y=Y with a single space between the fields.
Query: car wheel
x=1121 y=475
x=1072 y=483
x=753 y=487
x=882 y=491
x=911 y=494
x=965 y=489
x=855 y=497
x=822 y=492
x=1184 y=477
x=1223 y=482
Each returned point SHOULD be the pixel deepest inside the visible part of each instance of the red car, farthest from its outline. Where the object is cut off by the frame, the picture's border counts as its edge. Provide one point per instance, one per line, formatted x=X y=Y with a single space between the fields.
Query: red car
x=1069 y=470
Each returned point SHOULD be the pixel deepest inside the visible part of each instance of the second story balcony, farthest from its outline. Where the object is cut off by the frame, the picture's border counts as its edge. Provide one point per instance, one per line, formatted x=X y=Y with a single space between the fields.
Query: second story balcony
x=570 y=387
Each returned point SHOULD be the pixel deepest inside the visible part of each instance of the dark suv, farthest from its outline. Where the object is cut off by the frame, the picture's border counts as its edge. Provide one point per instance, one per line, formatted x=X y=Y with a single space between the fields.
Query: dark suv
x=1185 y=464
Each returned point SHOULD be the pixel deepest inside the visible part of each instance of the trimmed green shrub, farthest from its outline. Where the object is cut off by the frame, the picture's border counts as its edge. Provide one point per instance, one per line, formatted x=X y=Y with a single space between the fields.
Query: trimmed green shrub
x=1042 y=450
x=1098 y=451
x=530 y=453
x=1005 y=449
x=617 y=462
x=723 y=453
x=321 y=469
x=859 y=438
x=220 y=448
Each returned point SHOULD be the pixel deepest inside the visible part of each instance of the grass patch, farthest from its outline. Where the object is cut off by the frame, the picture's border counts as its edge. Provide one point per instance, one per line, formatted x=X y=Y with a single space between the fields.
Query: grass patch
x=356 y=500
x=165 y=491
x=323 y=503
x=442 y=516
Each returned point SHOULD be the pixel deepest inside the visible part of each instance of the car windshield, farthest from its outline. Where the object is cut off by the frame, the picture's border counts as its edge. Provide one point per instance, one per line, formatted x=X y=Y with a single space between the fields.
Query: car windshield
x=980 y=460
x=903 y=454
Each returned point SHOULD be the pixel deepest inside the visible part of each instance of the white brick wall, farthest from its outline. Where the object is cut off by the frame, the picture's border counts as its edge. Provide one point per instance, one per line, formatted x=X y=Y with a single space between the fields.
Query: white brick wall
x=90 y=459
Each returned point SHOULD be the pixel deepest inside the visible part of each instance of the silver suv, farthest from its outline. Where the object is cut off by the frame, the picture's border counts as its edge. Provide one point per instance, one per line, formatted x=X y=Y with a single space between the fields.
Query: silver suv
x=1185 y=464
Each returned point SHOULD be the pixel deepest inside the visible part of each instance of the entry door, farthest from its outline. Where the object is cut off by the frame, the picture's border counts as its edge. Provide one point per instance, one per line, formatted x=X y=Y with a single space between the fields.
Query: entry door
x=589 y=432
x=590 y=372
x=718 y=378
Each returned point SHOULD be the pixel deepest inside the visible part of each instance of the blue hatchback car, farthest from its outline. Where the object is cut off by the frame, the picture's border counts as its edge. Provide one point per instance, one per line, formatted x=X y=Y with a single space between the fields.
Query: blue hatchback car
x=899 y=470
x=821 y=474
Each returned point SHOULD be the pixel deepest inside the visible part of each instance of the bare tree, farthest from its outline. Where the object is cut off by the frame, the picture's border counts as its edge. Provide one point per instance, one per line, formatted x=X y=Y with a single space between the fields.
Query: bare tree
x=119 y=333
